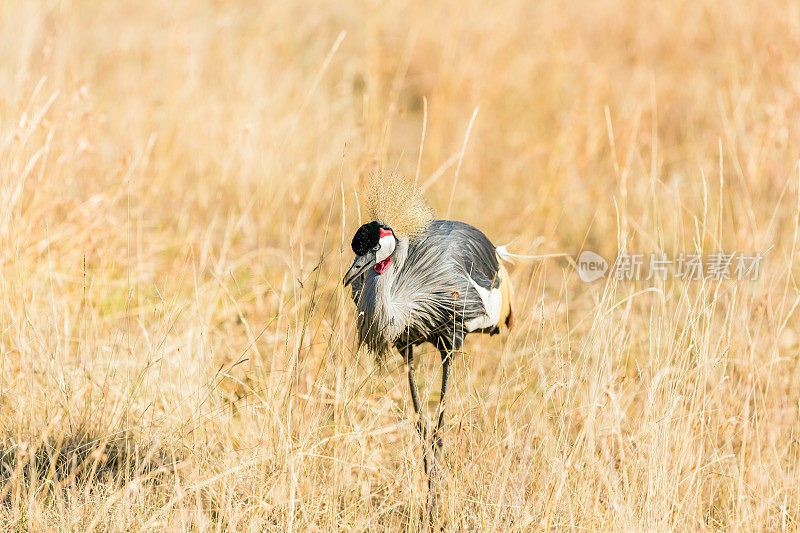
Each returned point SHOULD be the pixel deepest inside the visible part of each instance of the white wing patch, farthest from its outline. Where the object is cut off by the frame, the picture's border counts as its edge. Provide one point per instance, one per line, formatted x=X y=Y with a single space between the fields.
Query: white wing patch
x=492 y=301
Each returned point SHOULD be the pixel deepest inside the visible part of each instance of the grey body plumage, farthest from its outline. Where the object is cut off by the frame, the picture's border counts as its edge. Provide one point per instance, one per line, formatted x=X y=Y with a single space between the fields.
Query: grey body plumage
x=428 y=293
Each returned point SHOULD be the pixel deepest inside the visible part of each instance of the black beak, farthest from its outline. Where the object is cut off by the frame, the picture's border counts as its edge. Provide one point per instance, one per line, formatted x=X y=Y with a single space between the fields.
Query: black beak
x=361 y=263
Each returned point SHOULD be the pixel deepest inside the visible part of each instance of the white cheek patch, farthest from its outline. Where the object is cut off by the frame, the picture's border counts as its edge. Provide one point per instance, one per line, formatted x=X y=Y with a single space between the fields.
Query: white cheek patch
x=387 y=248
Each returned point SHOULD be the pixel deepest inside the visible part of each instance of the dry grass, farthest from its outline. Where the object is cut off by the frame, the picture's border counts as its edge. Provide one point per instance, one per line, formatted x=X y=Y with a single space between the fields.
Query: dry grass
x=176 y=200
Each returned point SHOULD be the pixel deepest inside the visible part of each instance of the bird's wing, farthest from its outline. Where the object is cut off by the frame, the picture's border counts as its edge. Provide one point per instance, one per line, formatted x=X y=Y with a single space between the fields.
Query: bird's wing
x=478 y=258
x=450 y=270
x=477 y=255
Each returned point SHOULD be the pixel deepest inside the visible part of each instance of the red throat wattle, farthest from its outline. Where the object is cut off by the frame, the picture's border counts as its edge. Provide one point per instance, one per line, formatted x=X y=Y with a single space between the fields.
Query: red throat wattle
x=381 y=267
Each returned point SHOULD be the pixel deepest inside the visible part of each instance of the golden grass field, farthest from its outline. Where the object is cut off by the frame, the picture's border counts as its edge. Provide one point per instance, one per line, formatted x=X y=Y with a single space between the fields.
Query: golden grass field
x=177 y=198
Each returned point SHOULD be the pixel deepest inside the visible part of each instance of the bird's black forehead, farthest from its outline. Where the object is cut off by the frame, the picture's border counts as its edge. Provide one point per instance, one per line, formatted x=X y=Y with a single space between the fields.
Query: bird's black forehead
x=366 y=238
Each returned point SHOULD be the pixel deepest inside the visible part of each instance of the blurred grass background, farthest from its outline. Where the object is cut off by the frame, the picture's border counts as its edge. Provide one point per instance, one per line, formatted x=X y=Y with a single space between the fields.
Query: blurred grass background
x=176 y=203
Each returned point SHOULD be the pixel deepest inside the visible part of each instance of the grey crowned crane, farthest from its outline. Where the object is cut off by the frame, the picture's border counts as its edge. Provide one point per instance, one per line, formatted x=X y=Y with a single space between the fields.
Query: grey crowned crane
x=417 y=280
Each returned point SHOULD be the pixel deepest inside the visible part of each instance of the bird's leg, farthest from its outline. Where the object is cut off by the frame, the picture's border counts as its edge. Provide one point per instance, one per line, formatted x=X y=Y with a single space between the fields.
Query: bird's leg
x=437 y=437
x=422 y=419
x=436 y=441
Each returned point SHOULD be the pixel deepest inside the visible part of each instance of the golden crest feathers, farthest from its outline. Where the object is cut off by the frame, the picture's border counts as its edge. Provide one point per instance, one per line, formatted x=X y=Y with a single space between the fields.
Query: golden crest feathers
x=398 y=203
